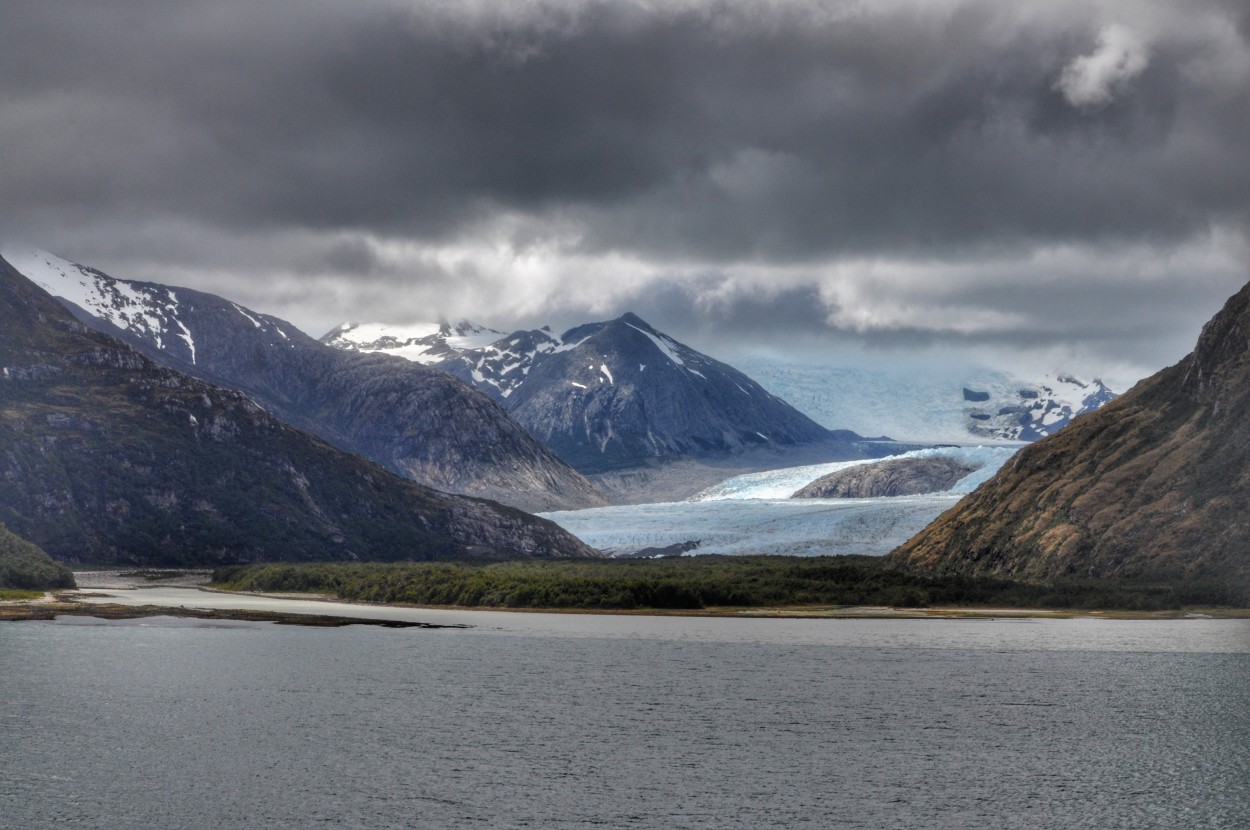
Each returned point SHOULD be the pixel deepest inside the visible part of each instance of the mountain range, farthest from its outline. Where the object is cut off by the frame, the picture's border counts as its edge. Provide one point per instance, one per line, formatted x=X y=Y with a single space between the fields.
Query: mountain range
x=411 y=419
x=1153 y=486
x=612 y=395
x=106 y=456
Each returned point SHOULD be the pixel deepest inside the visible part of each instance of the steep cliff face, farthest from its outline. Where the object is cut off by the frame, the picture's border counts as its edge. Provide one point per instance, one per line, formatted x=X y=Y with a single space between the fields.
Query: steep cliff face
x=106 y=456
x=411 y=419
x=1156 y=485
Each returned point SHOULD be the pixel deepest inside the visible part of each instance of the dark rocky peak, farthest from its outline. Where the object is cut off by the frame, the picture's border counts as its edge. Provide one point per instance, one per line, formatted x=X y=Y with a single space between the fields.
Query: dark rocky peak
x=1218 y=364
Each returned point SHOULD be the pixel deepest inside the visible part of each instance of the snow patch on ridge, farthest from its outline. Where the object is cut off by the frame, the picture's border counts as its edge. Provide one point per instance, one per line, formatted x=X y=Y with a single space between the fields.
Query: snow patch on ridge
x=664 y=347
x=419 y=342
x=148 y=311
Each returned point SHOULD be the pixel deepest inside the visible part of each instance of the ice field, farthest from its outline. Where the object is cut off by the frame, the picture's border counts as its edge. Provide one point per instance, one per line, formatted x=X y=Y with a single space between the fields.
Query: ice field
x=753 y=514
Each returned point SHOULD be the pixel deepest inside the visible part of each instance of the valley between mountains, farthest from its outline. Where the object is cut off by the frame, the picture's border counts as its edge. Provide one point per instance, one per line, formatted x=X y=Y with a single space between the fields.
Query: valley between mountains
x=147 y=424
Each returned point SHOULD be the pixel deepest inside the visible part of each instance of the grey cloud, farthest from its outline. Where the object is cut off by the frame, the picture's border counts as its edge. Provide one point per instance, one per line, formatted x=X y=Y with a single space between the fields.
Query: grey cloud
x=284 y=150
x=668 y=132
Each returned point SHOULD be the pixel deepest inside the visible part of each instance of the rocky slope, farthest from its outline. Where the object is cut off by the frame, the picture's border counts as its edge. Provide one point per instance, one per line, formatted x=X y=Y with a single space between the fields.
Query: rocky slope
x=1155 y=485
x=891 y=477
x=413 y=420
x=106 y=456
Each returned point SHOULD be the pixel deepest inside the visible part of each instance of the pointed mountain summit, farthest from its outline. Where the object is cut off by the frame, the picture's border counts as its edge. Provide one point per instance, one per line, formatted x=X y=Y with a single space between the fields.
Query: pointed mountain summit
x=1155 y=485
x=619 y=394
x=106 y=456
x=411 y=419
x=621 y=391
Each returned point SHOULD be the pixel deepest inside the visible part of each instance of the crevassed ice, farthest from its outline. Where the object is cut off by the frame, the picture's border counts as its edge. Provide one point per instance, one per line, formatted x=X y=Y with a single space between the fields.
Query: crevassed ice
x=753 y=513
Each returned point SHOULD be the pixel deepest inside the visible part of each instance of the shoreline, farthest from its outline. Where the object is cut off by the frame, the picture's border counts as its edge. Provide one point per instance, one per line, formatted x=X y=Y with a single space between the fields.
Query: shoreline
x=57 y=603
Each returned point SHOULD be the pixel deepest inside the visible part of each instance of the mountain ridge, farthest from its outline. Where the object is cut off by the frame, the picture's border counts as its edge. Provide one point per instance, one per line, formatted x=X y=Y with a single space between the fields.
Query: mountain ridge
x=1152 y=486
x=619 y=394
x=107 y=456
x=412 y=419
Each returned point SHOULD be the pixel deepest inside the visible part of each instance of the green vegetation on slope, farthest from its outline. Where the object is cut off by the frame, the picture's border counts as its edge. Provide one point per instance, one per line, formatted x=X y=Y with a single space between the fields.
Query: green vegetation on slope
x=24 y=566
x=698 y=582
x=1153 y=486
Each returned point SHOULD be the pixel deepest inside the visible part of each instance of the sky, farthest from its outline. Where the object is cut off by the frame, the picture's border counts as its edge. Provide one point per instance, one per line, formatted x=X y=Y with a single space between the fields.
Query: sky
x=1041 y=184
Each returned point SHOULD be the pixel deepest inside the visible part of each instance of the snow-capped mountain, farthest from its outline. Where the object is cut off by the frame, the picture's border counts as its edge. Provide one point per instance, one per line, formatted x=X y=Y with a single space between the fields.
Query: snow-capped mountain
x=148 y=312
x=619 y=393
x=419 y=342
x=931 y=405
x=613 y=393
x=412 y=419
x=108 y=456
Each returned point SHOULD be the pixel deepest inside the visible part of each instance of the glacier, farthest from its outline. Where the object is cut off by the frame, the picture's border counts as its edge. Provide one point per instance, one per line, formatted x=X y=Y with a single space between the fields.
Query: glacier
x=753 y=514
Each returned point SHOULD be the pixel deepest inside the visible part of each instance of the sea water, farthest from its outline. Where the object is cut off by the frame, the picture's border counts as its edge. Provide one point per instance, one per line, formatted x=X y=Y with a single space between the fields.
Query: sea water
x=578 y=721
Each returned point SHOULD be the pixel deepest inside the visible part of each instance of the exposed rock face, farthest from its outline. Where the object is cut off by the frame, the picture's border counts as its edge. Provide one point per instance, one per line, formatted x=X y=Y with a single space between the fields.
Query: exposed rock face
x=106 y=456
x=892 y=477
x=411 y=419
x=1156 y=485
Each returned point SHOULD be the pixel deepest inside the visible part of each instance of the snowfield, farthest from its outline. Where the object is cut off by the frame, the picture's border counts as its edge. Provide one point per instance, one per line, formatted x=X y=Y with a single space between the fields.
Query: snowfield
x=928 y=404
x=753 y=513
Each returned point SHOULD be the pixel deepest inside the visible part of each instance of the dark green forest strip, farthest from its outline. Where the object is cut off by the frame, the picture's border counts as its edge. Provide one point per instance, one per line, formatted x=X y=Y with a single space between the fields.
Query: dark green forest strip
x=699 y=582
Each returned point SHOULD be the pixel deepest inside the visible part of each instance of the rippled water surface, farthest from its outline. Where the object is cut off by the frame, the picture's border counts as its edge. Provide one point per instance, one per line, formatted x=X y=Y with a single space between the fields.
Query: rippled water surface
x=569 y=721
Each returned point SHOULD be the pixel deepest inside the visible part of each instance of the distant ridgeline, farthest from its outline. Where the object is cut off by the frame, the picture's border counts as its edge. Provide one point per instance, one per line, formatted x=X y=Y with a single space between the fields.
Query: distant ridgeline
x=106 y=456
x=609 y=395
x=1155 y=485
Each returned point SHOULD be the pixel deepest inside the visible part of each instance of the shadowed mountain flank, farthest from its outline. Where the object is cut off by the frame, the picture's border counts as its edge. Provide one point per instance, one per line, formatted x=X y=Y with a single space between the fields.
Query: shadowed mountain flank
x=1155 y=485
x=106 y=456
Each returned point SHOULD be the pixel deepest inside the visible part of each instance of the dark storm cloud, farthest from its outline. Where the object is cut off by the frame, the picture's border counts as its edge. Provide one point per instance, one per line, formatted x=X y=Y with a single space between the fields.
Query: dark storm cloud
x=694 y=132
x=782 y=148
